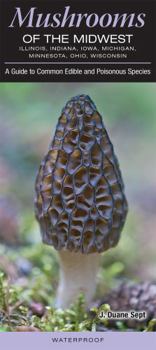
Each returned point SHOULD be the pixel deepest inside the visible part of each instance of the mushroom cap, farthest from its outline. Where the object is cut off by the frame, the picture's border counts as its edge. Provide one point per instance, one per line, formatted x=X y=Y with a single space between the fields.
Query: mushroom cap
x=80 y=202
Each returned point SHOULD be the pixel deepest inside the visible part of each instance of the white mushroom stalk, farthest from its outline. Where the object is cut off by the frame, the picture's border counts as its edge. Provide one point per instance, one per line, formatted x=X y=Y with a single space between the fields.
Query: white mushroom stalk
x=78 y=274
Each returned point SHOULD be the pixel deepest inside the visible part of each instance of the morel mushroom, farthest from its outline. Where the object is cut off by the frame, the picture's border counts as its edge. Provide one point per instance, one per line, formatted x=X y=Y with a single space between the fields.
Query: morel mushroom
x=80 y=202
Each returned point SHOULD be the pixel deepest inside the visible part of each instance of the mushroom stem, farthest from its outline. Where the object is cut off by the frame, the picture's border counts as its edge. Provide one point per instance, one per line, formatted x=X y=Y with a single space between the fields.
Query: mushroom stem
x=77 y=275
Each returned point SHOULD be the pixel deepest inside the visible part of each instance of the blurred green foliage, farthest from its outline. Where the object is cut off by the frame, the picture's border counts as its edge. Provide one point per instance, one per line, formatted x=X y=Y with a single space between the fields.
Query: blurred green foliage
x=16 y=316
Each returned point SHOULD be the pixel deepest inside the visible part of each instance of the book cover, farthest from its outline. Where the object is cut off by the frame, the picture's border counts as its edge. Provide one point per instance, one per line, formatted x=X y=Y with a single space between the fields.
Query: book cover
x=77 y=174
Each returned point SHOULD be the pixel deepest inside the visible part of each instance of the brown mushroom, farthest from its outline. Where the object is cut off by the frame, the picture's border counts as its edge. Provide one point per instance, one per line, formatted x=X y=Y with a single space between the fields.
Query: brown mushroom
x=80 y=202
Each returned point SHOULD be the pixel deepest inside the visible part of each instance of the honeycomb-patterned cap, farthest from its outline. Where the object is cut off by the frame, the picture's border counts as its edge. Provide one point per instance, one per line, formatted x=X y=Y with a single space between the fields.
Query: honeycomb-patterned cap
x=80 y=202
